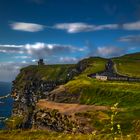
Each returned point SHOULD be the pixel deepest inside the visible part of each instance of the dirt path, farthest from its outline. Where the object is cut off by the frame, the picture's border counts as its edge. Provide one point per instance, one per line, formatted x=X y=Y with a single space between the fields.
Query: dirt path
x=69 y=108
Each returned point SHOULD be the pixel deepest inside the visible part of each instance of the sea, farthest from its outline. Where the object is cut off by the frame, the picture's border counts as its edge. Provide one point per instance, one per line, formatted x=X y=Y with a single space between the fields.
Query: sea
x=6 y=103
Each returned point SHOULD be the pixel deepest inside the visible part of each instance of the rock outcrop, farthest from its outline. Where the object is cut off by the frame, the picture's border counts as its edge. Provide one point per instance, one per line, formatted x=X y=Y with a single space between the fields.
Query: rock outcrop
x=29 y=87
x=25 y=100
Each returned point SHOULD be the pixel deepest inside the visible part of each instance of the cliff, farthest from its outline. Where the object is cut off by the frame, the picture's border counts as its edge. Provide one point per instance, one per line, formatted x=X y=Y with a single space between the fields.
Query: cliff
x=63 y=98
x=35 y=83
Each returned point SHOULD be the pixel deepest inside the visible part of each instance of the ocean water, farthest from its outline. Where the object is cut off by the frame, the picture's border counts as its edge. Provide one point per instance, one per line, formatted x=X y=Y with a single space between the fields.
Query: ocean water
x=5 y=104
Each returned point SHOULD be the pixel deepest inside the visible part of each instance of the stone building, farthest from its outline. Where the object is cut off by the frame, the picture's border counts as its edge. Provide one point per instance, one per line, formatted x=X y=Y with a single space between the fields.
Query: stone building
x=40 y=62
x=102 y=78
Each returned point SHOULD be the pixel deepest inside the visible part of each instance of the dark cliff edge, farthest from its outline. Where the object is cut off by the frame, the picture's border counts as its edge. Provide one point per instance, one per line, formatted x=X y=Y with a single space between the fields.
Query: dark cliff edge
x=34 y=83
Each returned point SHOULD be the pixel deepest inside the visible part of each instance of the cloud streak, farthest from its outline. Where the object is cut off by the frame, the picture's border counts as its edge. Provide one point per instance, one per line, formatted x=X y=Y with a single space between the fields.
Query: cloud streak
x=70 y=60
x=27 y=27
x=9 y=70
x=11 y=48
x=83 y=27
x=40 y=50
x=130 y=39
x=108 y=51
x=75 y=27
x=131 y=26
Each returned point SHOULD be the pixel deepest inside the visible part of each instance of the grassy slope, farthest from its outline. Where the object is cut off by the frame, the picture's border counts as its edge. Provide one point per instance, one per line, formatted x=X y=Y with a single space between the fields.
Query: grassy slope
x=49 y=72
x=128 y=65
x=108 y=93
x=95 y=64
x=45 y=72
x=103 y=93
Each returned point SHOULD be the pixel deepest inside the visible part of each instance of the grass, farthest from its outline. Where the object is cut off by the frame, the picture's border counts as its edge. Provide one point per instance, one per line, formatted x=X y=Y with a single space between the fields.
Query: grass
x=14 y=122
x=128 y=65
x=49 y=72
x=44 y=72
x=92 y=91
x=46 y=135
x=107 y=93
x=104 y=93
x=95 y=64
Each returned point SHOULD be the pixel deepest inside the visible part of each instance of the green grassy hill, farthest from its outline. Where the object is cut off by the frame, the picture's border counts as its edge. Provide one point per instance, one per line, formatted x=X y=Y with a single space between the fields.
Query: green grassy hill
x=128 y=65
x=91 y=91
x=97 y=92
x=93 y=65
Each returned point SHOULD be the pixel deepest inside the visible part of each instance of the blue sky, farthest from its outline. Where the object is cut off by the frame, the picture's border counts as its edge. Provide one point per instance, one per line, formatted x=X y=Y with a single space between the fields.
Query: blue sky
x=65 y=31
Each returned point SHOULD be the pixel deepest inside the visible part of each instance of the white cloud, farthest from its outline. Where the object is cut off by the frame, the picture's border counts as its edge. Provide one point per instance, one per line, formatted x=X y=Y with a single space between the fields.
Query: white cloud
x=83 y=27
x=40 y=50
x=24 y=62
x=28 y=27
x=21 y=57
x=107 y=27
x=11 y=48
x=109 y=51
x=74 y=27
x=132 y=26
x=68 y=59
x=9 y=70
x=34 y=60
x=130 y=39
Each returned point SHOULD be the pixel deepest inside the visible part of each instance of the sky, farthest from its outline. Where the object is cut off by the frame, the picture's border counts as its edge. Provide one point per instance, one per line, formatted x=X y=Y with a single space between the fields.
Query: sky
x=65 y=31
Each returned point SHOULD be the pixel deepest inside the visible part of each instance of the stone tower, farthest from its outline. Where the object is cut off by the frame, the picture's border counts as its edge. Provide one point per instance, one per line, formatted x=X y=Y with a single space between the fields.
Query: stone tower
x=40 y=62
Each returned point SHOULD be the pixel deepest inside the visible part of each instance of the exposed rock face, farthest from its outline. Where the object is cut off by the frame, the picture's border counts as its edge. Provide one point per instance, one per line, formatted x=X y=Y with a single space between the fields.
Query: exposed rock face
x=61 y=95
x=25 y=100
x=54 y=120
x=28 y=88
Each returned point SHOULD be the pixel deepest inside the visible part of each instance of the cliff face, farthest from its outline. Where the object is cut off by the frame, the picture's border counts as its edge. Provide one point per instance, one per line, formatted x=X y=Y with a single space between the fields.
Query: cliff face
x=52 y=119
x=32 y=84
x=25 y=100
